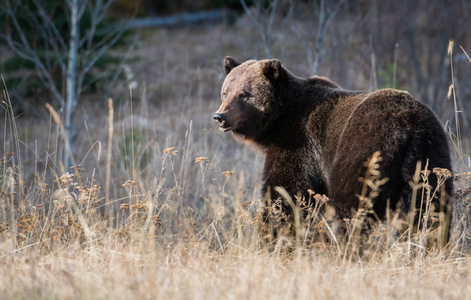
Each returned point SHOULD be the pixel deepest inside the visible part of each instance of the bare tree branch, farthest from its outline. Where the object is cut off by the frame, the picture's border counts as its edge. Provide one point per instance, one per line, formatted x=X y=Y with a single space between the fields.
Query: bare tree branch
x=97 y=53
x=55 y=32
x=126 y=57
x=29 y=54
x=321 y=31
x=264 y=22
x=51 y=50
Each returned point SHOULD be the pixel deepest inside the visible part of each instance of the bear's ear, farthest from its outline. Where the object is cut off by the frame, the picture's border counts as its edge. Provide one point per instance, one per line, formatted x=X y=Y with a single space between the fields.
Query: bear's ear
x=272 y=69
x=229 y=64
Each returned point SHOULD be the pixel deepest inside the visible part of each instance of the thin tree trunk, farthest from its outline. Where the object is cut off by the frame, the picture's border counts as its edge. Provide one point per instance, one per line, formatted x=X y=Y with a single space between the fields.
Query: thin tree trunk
x=71 y=96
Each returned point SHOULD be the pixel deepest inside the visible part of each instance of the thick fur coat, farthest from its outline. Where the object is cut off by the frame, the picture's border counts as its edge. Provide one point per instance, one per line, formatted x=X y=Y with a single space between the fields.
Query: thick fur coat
x=317 y=136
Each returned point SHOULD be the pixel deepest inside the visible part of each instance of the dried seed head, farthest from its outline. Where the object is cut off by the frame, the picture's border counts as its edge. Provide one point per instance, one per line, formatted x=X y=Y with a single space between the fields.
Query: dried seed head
x=169 y=149
x=228 y=174
x=65 y=179
x=130 y=183
x=321 y=198
x=451 y=44
x=200 y=159
x=157 y=221
x=442 y=173
x=138 y=205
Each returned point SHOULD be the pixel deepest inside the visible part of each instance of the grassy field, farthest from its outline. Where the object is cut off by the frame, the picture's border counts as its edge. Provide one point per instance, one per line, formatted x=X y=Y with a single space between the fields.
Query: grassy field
x=183 y=198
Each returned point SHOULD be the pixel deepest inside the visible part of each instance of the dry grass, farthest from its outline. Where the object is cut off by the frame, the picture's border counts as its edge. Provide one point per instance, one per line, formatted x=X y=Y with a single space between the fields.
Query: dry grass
x=182 y=221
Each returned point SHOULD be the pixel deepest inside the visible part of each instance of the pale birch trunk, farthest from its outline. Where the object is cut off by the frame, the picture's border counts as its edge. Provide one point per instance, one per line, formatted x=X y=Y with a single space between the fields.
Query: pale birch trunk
x=71 y=95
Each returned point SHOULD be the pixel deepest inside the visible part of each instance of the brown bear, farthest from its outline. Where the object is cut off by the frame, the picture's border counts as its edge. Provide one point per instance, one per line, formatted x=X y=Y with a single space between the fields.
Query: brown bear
x=317 y=136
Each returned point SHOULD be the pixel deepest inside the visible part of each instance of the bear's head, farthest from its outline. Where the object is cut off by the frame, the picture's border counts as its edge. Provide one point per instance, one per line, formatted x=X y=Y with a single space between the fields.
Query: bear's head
x=247 y=95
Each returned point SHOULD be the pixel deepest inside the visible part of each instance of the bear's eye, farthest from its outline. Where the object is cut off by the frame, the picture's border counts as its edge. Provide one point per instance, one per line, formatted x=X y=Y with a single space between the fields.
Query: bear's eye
x=244 y=95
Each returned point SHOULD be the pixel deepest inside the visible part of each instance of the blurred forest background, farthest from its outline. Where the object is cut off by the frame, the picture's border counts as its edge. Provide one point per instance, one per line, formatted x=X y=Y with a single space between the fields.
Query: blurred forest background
x=161 y=61
x=361 y=44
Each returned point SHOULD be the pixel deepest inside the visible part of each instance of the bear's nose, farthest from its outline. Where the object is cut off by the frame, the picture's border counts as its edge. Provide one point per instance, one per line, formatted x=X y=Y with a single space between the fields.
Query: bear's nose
x=220 y=118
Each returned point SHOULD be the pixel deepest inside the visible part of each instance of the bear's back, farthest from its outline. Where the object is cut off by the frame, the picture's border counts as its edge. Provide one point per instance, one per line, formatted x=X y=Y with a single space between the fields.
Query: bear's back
x=404 y=131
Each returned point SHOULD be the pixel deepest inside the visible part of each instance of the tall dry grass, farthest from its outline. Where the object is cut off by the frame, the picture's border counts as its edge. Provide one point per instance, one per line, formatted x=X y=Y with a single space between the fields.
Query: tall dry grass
x=160 y=205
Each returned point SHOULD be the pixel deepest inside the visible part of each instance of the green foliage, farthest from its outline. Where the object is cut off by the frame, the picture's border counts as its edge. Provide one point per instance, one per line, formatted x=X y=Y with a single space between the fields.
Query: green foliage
x=386 y=77
x=166 y=7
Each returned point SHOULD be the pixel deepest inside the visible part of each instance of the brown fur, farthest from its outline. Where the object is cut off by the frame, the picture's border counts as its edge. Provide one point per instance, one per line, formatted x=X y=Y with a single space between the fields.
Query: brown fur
x=316 y=135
